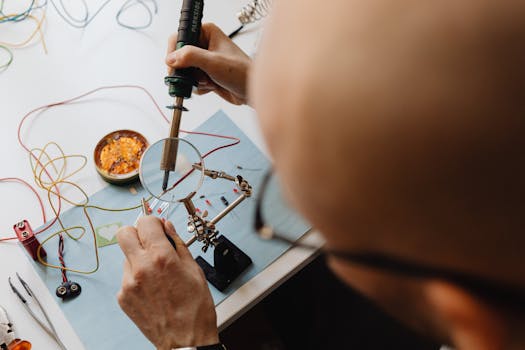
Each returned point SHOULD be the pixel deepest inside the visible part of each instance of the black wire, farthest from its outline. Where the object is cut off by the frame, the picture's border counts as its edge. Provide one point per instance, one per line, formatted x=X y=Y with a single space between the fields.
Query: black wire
x=235 y=32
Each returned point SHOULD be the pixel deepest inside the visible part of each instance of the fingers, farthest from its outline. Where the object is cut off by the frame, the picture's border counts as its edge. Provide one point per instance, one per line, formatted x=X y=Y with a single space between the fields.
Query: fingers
x=201 y=77
x=208 y=30
x=151 y=233
x=221 y=65
x=129 y=242
x=204 y=87
x=126 y=268
x=200 y=91
x=191 y=56
x=172 y=46
x=127 y=275
x=182 y=250
x=172 y=43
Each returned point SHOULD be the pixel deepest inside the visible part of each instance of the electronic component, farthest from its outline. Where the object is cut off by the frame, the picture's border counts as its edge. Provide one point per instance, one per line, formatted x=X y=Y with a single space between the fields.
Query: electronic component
x=8 y=339
x=181 y=82
x=26 y=236
x=68 y=290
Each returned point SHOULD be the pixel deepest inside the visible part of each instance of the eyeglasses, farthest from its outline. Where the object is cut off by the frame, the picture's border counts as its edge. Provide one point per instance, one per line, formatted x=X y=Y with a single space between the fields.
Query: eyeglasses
x=495 y=292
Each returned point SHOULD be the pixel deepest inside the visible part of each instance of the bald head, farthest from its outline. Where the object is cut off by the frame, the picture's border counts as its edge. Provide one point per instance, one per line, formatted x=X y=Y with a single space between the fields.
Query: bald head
x=399 y=126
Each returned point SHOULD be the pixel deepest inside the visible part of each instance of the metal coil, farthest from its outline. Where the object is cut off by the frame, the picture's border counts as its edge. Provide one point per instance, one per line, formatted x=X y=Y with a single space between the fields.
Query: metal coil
x=254 y=11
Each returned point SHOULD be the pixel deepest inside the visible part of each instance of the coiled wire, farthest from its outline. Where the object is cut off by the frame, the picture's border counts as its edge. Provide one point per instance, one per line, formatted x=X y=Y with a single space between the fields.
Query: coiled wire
x=252 y=12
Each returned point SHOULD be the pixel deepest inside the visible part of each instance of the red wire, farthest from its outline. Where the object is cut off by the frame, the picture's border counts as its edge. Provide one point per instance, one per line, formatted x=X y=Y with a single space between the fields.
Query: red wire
x=67 y=101
x=237 y=141
x=61 y=256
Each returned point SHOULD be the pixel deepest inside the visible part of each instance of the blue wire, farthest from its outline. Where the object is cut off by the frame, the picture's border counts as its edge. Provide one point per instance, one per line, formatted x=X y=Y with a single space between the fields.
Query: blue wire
x=83 y=23
x=18 y=17
x=86 y=19
x=66 y=16
x=80 y=23
x=130 y=3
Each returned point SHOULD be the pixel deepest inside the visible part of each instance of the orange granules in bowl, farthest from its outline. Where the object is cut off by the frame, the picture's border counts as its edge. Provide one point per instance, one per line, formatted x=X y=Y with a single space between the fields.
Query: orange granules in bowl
x=117 y=156
x=121 y=155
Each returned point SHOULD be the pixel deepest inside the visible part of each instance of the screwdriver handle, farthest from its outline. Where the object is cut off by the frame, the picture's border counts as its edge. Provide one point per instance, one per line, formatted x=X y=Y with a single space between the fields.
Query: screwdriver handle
x=182 y=81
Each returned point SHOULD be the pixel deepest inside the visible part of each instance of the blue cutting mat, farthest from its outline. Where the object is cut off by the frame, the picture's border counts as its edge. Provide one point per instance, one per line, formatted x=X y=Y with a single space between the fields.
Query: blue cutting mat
x=95 y=314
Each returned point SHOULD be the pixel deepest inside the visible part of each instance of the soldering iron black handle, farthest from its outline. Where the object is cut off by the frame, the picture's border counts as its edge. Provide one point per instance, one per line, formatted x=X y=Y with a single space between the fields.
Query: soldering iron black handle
x=182 y=81
x=190 y=22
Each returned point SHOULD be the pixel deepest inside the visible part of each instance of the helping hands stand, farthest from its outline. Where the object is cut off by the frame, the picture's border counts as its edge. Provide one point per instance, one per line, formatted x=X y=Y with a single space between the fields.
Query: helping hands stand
x=229 y=260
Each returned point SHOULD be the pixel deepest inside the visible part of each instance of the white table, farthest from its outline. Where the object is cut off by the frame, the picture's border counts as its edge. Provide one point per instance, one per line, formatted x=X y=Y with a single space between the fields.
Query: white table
x=78 y=61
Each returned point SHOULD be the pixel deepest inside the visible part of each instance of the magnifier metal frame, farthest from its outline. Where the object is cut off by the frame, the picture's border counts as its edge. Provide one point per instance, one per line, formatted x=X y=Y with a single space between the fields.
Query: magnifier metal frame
x=161 y=143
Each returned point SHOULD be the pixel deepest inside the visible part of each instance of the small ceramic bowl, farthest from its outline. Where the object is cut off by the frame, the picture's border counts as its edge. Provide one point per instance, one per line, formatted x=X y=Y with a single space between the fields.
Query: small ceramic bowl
x=117 y=156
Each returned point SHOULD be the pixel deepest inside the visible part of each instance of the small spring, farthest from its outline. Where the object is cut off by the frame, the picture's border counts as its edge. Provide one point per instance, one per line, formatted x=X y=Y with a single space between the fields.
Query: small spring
x=254 y=11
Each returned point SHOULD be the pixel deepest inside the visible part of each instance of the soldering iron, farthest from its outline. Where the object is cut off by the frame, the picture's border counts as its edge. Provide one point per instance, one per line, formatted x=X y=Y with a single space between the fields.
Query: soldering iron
x=181 y=82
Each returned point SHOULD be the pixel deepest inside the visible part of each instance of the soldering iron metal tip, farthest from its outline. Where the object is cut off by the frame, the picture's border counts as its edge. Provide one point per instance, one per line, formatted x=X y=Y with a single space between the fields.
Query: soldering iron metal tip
x=165 y=180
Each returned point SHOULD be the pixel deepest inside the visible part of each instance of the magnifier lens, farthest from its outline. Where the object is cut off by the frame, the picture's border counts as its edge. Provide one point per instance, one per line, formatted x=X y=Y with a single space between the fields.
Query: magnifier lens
x=184 y=180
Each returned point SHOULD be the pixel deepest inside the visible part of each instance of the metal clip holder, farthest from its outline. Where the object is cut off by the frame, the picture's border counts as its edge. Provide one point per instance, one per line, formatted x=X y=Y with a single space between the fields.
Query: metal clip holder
x=229 y=260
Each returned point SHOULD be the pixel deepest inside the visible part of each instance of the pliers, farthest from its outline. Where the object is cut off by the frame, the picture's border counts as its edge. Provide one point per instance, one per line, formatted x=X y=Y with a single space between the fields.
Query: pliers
x=8 y=340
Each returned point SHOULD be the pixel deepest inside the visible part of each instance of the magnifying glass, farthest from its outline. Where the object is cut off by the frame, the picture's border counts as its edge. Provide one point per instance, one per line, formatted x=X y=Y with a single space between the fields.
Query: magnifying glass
x=184 y=180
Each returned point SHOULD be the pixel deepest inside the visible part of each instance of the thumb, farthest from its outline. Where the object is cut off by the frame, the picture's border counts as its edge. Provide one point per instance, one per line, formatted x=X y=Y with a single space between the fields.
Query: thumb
x=181 y=248
x=190 y=56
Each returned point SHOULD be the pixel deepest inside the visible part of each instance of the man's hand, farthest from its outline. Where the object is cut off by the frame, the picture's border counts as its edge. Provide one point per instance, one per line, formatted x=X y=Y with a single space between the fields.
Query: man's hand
x=163 y=290
x=223 y=65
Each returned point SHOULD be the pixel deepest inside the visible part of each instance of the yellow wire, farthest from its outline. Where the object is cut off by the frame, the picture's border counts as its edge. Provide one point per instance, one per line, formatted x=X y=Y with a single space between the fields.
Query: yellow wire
x=118 y=209
x=42 y=162
x=38 y=29
x=43 y=153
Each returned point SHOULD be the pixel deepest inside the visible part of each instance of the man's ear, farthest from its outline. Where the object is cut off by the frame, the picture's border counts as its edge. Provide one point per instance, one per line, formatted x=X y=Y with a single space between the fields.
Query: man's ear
x=470 y=323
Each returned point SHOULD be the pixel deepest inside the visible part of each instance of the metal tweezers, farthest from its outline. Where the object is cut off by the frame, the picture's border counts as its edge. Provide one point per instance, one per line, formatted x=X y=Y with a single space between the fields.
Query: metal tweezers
x=49 y=328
